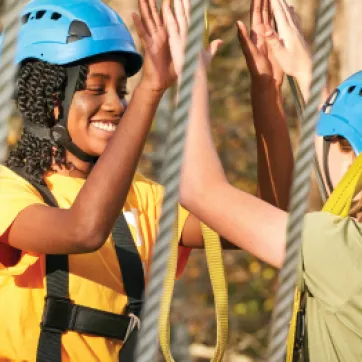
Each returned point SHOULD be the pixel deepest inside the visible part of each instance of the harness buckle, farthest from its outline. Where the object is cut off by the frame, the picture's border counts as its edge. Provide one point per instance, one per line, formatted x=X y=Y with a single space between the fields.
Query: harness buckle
x=57 y=314
x=134 y=322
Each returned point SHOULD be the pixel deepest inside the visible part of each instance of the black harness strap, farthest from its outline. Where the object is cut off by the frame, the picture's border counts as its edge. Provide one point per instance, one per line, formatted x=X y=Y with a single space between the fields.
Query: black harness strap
x=61 y=314
x=133 y=280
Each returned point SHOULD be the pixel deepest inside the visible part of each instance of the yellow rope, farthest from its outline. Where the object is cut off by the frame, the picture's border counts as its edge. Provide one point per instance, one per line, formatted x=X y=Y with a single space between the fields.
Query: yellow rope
x=215 y=265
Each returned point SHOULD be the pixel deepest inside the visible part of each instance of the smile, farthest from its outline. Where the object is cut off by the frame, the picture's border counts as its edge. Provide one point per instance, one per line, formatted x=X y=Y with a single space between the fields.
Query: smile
x=105 y=126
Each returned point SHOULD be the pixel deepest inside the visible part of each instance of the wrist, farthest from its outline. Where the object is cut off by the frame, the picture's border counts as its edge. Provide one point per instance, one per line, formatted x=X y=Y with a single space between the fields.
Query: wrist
x=265 y=87
x=148 y=91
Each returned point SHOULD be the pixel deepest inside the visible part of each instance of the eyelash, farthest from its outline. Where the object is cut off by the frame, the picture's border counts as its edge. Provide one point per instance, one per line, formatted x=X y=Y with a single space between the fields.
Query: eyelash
x=122 y=93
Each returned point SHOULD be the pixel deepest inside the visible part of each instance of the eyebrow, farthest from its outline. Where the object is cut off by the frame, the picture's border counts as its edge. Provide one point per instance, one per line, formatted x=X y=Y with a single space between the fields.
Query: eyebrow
x=104 y=76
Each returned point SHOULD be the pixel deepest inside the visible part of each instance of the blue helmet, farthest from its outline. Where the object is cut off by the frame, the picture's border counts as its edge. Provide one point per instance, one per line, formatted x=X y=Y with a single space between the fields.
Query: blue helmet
x=66 y=31
x=341 y=115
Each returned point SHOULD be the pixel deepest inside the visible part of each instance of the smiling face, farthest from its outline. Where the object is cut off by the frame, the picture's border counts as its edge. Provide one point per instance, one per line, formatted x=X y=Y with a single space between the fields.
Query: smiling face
x=96 y=111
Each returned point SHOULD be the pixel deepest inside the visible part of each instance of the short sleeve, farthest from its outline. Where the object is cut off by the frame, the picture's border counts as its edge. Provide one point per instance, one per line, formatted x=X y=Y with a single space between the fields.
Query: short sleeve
x=15 y=195
x=332 y=254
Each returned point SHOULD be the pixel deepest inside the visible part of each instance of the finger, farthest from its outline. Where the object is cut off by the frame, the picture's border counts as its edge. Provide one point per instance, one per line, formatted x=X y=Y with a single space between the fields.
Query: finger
x=146 y=16
x=140 y=29
x=247 y=46
x=214 y=46
x=287 y=12
x=180 y=16
x=155 y=13
x=169 y=19
x=187 y=8
x=296 y=18
x=280 y=17
x=255 y=13
x=266 y=12
x=275 y=44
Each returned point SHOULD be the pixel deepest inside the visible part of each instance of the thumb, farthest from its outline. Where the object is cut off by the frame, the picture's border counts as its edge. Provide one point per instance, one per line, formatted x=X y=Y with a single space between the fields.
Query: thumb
x=247 y=46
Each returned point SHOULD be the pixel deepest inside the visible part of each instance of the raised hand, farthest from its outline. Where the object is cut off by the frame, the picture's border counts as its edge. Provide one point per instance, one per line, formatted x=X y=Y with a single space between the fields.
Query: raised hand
x=262 y=64
x=177 y=28
x=288 y=46
x=158 y=70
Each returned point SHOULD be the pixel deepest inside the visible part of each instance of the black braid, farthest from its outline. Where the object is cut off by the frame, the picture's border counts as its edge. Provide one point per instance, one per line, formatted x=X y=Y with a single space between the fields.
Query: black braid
x=39 y=85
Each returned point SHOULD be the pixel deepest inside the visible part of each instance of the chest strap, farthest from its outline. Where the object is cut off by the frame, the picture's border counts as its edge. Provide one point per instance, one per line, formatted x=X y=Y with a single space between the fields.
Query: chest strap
x=61 y=314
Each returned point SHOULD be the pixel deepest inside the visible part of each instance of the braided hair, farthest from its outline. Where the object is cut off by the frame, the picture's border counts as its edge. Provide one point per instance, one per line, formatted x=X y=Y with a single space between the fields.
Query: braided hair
x=40 y=87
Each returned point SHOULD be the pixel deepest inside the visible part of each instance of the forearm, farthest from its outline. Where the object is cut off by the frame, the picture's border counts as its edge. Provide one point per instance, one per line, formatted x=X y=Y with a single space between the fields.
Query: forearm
x=114 y=171
x=275 y=156
x=201 y=166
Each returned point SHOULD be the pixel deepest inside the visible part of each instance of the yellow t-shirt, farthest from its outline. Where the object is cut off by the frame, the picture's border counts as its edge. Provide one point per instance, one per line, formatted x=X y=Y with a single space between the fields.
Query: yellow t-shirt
x=94 y=279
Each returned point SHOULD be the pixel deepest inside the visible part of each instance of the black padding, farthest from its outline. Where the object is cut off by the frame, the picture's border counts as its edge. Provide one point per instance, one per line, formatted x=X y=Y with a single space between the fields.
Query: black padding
x=38 y=131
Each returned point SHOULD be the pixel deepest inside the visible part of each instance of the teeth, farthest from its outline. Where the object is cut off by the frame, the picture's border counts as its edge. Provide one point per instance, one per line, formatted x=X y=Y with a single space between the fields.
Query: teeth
x=109 y=127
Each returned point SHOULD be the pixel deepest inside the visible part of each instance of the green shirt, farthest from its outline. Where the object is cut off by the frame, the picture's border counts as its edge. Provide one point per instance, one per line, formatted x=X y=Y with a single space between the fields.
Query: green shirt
x=332 y=253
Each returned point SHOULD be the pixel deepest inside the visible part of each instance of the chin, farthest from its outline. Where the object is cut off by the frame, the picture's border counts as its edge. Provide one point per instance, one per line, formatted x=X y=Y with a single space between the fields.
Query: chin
x=97 y=149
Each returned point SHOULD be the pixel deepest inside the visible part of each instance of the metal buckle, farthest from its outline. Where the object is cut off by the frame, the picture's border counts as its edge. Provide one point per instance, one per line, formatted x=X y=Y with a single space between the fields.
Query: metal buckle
x=134 y=322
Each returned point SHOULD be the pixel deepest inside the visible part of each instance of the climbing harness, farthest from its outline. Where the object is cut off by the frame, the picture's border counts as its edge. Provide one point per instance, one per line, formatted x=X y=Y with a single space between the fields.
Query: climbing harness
x=61 y=314
x=282 y=312
x=339 y=204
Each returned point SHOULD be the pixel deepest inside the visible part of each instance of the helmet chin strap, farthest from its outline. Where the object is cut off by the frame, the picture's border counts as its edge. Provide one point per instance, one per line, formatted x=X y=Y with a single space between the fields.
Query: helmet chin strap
x=59 y=133
x=326 y=148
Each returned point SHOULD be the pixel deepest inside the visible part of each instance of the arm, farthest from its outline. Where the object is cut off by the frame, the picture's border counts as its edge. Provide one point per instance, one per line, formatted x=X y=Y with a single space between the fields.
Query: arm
x=275 y=157
x=246 y=221
x=87 y=224
x=236 y=216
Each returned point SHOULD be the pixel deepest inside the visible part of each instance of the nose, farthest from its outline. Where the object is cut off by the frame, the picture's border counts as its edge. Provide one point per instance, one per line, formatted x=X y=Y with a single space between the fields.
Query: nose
x=113 y=103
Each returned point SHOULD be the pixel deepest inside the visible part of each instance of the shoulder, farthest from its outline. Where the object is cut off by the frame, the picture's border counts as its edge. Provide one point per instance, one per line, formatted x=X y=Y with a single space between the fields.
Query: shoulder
x=10 y=181
x=332 y=254
x=15 y=195
x=333 y=229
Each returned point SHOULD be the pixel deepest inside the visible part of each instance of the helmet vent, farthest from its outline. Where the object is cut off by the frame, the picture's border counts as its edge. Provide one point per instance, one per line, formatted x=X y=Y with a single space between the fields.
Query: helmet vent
x=40 y=14
x=77 y=31
x=25 y=18
x=327 y=108
x=56 y=16
x=351 y=89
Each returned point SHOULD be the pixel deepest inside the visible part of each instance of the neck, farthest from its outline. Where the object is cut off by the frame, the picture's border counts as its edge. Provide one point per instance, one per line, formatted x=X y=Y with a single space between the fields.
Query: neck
x=74 y=168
